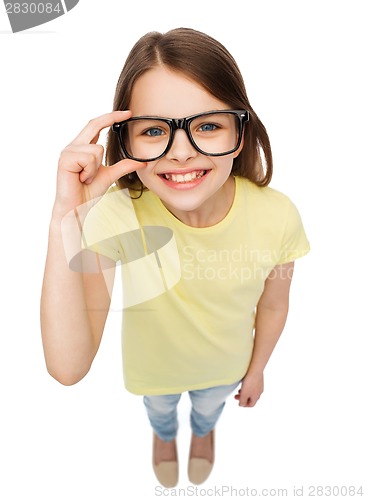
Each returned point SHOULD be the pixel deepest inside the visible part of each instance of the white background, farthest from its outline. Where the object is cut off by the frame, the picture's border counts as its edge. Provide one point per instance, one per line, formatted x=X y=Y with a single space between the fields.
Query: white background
x=302 y=64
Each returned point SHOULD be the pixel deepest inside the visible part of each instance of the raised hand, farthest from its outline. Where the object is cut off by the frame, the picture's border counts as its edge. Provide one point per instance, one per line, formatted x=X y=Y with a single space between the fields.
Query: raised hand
x=81 y=175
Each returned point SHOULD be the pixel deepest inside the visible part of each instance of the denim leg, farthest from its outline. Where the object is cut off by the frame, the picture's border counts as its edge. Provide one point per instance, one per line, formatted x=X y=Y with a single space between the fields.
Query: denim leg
x=207 y=406
x=162 y=414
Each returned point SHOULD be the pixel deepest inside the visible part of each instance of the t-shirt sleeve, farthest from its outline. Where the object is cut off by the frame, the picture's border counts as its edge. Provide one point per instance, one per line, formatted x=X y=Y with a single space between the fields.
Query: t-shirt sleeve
x=294 y=242
x=108 y=224
x=98 y=234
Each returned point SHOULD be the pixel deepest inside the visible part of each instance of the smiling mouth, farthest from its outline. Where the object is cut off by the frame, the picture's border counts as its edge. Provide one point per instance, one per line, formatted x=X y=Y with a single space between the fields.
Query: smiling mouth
x=188 y=177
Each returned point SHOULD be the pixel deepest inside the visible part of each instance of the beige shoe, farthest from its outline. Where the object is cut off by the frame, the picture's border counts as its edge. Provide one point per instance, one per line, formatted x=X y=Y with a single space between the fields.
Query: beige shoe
x=199 y=468
x=167 y=472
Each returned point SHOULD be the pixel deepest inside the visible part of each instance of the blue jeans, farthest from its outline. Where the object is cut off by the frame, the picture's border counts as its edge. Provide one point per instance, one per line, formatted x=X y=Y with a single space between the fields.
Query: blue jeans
x=207 y=406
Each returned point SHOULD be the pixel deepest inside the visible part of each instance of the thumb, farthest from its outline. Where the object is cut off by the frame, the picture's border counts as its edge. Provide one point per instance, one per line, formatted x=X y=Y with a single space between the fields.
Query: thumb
x=108 y=175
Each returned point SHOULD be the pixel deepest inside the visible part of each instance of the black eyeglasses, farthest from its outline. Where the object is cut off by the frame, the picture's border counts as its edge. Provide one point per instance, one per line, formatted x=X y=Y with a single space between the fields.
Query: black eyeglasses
x=214 y=133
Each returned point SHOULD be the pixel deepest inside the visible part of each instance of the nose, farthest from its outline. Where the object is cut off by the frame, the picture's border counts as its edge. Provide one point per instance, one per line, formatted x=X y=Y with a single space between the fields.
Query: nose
x=181 y=149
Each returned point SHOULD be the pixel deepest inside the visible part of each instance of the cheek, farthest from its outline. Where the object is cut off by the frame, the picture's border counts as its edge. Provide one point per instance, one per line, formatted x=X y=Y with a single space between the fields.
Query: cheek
x=146 y=174
x=224 y=164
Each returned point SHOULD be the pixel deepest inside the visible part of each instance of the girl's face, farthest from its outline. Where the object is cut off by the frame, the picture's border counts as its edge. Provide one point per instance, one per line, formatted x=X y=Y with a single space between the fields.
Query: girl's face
x=196 y=199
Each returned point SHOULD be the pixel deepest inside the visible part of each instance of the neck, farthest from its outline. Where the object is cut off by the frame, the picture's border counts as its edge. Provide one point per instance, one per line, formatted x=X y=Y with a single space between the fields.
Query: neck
x=212 y=211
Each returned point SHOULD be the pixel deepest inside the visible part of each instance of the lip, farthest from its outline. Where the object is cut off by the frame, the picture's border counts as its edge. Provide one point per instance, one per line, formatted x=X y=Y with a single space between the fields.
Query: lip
x=183 y=186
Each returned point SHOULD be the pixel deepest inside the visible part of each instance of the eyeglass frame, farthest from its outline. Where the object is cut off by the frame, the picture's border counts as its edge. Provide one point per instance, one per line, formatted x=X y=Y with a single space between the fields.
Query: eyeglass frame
x=183 y=124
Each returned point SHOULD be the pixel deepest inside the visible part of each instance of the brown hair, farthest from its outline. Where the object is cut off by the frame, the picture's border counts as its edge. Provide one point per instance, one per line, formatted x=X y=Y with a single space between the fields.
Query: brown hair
x=206 y=61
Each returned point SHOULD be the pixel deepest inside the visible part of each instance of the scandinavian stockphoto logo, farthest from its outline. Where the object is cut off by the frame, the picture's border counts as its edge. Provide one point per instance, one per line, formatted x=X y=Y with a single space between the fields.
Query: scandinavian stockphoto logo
x=28 y=14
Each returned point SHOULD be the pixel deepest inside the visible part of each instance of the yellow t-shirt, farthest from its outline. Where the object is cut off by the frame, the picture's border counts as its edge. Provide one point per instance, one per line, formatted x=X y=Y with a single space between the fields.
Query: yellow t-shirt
x=189 y=293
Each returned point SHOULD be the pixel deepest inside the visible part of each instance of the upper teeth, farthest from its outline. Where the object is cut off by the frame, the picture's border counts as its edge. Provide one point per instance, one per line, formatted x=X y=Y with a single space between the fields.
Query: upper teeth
x=185 y=177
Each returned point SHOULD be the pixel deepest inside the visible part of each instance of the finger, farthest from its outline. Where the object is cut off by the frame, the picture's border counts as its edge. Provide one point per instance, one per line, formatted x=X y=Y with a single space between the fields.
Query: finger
x=244 y=399
x=90 y=133
x=106 y=176
x=95 y=151
x=250 y=402
x=70 y=162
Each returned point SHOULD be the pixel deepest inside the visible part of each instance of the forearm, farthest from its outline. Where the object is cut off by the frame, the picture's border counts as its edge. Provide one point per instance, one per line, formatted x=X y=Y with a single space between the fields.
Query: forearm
x=269 y=325
x=68 y=343
x=271 y=314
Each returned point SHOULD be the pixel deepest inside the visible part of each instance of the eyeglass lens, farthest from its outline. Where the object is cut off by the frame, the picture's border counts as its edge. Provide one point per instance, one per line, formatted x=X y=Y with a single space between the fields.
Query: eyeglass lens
x=211 y=133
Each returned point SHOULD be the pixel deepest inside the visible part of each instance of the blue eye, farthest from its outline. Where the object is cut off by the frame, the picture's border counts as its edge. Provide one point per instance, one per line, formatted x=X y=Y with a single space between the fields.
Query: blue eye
x=154 y=132
x=208 y=127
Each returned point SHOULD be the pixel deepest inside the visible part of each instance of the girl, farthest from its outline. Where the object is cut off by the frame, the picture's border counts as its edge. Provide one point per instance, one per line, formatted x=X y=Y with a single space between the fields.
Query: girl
x=207 y=249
